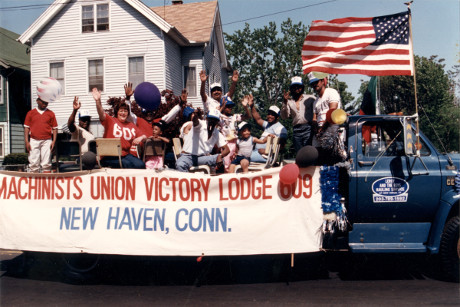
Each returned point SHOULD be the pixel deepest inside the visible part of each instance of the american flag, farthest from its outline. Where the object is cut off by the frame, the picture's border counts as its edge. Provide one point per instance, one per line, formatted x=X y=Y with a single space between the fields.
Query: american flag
x=374 y=46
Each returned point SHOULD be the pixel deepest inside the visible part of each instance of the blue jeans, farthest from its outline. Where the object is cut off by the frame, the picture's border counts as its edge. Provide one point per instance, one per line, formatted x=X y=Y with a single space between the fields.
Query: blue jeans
x=185 y=161
x=128 y=161
x=302 y=136
x=257 y=157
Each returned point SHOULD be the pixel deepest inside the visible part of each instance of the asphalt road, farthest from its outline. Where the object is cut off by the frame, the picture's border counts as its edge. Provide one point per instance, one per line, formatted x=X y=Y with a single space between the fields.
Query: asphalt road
x=316 y=279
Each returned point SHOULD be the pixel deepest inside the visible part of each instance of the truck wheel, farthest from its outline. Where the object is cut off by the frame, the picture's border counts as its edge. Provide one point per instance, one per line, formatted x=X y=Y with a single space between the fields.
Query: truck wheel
x=80 y=268
x=450 y=249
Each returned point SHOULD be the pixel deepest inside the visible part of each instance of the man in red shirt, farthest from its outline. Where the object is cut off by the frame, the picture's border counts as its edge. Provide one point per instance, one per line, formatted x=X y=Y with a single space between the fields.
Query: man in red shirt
x=41 y=125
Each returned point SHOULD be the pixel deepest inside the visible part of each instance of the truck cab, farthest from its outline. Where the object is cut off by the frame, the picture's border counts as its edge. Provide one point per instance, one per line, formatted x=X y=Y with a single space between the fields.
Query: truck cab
x=398 y=201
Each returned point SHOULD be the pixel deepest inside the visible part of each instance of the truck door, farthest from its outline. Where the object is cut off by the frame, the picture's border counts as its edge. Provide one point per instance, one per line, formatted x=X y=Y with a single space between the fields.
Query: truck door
x=390 y=186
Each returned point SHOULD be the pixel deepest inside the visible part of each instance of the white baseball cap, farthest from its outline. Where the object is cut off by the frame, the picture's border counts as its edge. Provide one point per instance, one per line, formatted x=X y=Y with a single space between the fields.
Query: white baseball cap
x=242 y=125
x=214 y=85
x=296 y=81
x=274 y=109
x=84 y=113
x=316 y=76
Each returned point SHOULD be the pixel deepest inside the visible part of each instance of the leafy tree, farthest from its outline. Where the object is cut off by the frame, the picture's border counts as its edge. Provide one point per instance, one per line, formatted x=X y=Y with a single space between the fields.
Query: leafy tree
x=267 y=60
x=341 y=87
x=437 y=109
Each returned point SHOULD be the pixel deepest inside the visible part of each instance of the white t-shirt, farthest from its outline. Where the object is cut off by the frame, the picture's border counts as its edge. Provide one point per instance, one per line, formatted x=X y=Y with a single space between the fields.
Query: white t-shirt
x=276 y=129
x=196 y=141
x=83 y=137
x=322 y=104
x=211 y=103
x=245 y=146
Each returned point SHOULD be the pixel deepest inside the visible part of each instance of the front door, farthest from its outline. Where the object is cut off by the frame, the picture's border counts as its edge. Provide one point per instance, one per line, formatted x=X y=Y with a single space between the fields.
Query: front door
x=390 y=186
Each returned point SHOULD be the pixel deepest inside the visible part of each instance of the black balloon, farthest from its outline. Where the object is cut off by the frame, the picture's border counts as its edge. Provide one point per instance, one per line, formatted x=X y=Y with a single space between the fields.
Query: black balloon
x=306 y=156
x=88 y=160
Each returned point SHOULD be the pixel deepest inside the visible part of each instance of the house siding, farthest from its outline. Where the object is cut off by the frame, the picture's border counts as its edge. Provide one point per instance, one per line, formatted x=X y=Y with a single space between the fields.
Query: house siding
x=213 y=64
x=17 y=139
x=130 y=34
x=173 y=71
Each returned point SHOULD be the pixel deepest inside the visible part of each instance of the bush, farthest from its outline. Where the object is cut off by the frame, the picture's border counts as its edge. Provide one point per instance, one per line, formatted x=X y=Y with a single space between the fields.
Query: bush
x=16 y=158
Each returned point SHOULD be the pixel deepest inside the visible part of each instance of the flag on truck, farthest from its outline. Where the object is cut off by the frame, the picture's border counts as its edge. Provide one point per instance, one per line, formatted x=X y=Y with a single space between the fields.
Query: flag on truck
x=369 y=103
x=373 y=46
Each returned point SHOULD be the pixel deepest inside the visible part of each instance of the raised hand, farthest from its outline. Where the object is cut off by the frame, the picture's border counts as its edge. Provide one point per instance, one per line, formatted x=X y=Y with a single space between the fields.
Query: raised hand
x=96 y=94
x=245 y=101
x=250 y=100
x=129 y=89
x=203 y=76
x=183 y=96
x=76 y=103
x=235 y=76
x=286 y=96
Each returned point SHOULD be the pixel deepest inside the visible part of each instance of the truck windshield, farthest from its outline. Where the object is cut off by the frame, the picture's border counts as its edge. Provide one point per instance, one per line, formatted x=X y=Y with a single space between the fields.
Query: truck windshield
x=385 y=138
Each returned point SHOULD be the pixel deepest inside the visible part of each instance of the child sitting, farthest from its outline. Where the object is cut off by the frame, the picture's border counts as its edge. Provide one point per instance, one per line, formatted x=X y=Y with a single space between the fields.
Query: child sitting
x=244 y=145
x=156 y=161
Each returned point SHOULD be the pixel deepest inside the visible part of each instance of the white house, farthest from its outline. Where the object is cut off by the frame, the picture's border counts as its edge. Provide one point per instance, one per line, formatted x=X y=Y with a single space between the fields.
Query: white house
x=106 y=43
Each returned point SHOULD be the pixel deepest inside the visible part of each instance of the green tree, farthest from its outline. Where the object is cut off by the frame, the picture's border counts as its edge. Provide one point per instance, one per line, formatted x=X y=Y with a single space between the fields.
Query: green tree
x=267 y=60
x=439 y=115
x=341 y=87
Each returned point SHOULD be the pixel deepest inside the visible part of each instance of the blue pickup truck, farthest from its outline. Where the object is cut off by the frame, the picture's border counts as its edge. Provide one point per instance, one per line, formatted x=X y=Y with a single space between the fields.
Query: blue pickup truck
x=398 y=201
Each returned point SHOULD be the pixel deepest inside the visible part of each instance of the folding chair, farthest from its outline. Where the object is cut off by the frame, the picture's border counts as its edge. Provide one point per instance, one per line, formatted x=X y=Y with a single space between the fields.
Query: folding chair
x=177 y=149
x=271 y=155
x=68 y=156
x=108 y=147
x=154 y=148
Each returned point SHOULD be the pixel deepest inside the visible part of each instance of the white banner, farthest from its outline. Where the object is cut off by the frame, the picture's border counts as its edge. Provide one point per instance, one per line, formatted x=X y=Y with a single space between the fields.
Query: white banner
x=141 y=212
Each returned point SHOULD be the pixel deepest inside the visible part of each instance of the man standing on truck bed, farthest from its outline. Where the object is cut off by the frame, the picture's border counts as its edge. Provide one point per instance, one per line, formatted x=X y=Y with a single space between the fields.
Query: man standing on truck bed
x=326 y=134
x=328 y=98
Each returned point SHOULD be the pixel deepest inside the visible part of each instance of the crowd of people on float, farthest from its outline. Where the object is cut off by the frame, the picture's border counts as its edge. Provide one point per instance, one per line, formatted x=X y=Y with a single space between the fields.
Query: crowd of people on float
x=213 y=136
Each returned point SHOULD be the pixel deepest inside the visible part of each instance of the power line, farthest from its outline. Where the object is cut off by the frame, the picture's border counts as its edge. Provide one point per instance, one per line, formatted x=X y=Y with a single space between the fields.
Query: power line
x=280 y=12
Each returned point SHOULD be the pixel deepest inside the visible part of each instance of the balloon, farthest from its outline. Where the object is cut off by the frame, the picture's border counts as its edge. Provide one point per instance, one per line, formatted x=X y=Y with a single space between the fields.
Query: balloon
x=88 y=160
x=147 y=96
x=306 y=156
x=199 y=259
x=339 y=116
x=289 y=173
x=49 y=90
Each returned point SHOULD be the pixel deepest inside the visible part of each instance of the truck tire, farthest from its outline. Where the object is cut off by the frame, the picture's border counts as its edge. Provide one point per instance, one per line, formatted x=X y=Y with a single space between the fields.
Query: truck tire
x=80 y=268
x=450 y=249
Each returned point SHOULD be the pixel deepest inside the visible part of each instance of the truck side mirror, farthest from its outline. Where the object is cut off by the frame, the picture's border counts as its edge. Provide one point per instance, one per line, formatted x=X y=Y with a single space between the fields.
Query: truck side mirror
x=410 y=139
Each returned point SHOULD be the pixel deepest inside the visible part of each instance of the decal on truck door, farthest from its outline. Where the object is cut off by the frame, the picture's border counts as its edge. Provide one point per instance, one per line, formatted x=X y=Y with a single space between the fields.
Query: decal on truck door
x=390 y=190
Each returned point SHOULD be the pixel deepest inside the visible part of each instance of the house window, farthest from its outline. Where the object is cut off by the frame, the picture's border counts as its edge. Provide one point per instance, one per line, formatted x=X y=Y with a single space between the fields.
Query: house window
x=90 y=23
x=1 y=142
x=96 y=74
x=136 y=70
x=57 y=72
x=190 y=80
x=102 y=17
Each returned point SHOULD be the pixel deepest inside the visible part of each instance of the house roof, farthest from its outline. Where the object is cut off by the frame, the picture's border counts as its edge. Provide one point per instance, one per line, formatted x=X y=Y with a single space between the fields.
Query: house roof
x=12 y=53
x=194 y=21
x=58 y=5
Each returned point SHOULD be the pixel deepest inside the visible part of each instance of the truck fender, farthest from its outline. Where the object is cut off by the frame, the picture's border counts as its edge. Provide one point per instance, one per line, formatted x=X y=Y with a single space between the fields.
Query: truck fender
x=448 y=206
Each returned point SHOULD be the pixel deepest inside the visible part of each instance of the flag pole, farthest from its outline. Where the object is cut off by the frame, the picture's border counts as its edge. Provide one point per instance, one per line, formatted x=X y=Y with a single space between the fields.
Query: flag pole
x=417 y=132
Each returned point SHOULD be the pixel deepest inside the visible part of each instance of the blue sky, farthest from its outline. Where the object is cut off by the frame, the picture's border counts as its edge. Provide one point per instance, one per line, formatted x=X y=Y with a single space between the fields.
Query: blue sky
x=435 y=23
